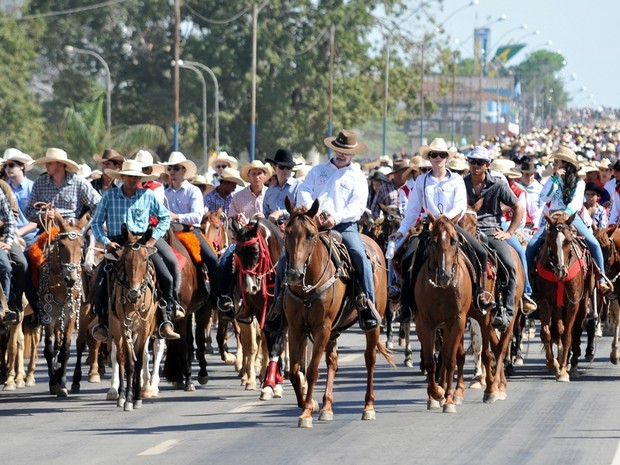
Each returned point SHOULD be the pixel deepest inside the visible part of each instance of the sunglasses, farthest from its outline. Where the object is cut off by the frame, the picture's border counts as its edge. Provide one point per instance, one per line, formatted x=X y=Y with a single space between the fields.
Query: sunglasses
x=475 y=162
x=175 y=168
x=221 y=166
x=284 y=167
x=12 y=165
x=442 y=155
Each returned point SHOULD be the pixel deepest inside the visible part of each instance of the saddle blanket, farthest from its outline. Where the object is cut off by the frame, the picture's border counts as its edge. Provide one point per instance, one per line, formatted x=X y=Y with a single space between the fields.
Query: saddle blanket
x=36 y=253
x=192 y=244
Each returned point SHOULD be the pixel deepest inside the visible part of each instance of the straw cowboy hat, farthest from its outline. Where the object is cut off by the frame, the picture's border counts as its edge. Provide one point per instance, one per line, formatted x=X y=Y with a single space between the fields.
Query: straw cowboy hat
x=223 y=157
x=19 y=156
x=605 y=163
x=85 y=171
x=232 y=175
x=177 y=158
x=130 y=168
x=416 y=163
x=567 y=155
x=145 y=158
x=438 y=145
x=283 y=157
x=109 y=154
x=506 y=167
x=458 y=164
x=301 y=171
x=200 y=180
x=346 y=142
x=255 y=165
x=60 y=156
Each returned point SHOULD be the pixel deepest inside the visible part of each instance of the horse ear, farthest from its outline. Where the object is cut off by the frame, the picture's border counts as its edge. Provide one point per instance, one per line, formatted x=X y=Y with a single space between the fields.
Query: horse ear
x=288 y=204
x=147 y=235
x=570 y=219
x=430 y=216
x=62 y=223
x=455 y=219
x=85 y=220
x=151 y=250
x=477 y=205
x=314 y=209
x=383 y=208
x=124 y=232
x=547 y=217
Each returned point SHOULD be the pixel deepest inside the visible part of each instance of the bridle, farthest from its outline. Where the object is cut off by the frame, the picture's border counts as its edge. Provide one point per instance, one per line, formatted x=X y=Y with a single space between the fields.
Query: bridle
x=133 y=295
x=441 y=266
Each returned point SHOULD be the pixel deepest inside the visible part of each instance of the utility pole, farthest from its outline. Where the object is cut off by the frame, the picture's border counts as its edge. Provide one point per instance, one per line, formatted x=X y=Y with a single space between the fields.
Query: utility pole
x=330 y=106
x=177 y=74
x=385 y=94
x=253 y=111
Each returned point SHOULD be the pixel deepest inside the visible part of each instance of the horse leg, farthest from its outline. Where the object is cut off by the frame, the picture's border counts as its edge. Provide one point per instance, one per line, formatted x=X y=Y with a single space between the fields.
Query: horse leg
x=370 y=357
x=130 y=371
x=32 y=338
x=247 y=342
x=572 y=313
x=331 y=360
x=452 y=338
x=460 y=375
x=203 y=337
x=13 y=349
x=321 y=339
x=141 y=354
x=545 y=337
x=614 y=310
x=426 y=336
x=475 y=332
x=114 y=391
x=406 y=329
x=80 y=344
x=389 y=332
x=590 y=325
x=48 y=352
x=63 y=357
x=297 y=348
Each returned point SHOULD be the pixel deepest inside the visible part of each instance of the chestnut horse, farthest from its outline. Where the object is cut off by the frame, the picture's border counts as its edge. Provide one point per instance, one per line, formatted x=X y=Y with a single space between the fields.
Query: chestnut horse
x=132 y=318
x=443 y=295
x=316 y=291
x=565 y=278
x=60 y=295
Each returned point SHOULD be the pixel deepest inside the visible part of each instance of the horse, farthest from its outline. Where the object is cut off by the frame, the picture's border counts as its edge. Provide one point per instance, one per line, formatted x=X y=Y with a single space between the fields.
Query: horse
x=443 y=294
x=565 y=278
x=132 y=319
x=317 y=304
x=60 y=294
x=257 y=251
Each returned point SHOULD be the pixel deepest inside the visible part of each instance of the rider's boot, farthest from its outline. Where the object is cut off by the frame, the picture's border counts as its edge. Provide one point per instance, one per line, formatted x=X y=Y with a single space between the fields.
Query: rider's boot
x=165 y=328
x=369 y=318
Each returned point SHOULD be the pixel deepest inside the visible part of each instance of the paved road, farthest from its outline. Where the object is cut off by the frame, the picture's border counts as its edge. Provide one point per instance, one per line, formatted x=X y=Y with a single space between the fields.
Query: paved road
x=541 y=422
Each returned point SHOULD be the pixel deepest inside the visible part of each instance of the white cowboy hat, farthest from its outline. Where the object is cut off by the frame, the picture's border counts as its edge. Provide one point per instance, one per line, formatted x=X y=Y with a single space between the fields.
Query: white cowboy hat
x=60 y=156
x=255 y=165
x=177 y=158
x=564 y=153
x=130 y=168
x=302 y=170
x=145 y=158
x=200 y=180
x=437 y=145
x=224 y=157
x=458 y=164
x=84 y=171
x=19 y=156
x=232 y=175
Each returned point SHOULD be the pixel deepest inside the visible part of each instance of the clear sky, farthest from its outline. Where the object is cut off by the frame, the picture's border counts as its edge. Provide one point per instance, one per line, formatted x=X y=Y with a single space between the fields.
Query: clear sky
x=585 y=32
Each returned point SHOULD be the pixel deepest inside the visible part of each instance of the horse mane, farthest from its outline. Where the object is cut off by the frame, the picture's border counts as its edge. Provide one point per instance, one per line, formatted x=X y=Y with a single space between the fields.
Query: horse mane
x=242 y=234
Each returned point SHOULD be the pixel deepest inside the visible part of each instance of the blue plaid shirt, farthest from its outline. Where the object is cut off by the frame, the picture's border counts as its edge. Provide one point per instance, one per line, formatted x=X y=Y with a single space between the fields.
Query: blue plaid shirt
x=8 y=218
x=214 y=201
x=69 y=199
x=116 y=208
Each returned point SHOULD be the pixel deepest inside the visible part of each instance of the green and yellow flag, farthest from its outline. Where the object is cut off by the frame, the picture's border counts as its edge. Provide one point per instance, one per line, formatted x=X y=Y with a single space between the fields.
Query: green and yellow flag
x=502 y=56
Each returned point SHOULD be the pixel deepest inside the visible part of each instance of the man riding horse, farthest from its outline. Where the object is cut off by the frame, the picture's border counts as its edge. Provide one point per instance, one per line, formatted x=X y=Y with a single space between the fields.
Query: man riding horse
x=133 y=207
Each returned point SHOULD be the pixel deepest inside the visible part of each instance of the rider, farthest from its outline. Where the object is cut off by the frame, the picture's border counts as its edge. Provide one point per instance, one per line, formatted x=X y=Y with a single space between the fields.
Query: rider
x=186 y=206
x=285 y=185
x=496 y=192
x=438 y=192
x=565 y=191
x=7 y=236
x=133 y=206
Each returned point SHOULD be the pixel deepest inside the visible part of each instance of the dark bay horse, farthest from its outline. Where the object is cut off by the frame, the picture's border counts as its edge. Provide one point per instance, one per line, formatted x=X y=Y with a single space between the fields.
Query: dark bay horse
x=443 y=295
x=60 y=294
x=132 y=318
x=565 y=278
x=314 y=303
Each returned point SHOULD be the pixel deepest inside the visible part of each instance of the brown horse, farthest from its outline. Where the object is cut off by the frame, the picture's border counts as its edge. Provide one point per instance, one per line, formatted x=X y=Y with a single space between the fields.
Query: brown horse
x=443 y=295
x=60 y=294
x=565 y=278
x=316 y=290
x=132 y=320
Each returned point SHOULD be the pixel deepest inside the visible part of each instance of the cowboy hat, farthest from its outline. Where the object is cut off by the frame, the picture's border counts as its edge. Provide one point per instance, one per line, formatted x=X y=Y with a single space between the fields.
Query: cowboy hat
x=200 y=180
x=302 y=170
x=130 y=168
x=437 y=145
x=565 y=154
x=177 y=158
x=60 y=156
x=283 y=157
x=416 y=164
x=145 y=158
x=346 y=142
x=255 y=165
x=503 y=165
x=84 y=171
x=19 y=156
x=399 y=165
x=232 y=175
x=480 y=153
x=458 y=164
x=605 y=163
x=109 y=154
x=225 y=158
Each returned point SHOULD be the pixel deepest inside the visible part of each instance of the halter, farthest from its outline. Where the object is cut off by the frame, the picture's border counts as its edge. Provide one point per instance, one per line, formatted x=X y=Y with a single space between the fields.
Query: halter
x=121 y=278
x=453 y=269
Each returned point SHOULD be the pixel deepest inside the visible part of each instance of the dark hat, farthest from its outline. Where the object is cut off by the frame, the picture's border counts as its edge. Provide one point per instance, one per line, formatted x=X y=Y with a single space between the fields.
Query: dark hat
x=346 y=142
x=528 y=167
x=283 y=157
x=616 y=166
x=109 y=154
x=592 y=186
x=399 y=165
x=378 y=176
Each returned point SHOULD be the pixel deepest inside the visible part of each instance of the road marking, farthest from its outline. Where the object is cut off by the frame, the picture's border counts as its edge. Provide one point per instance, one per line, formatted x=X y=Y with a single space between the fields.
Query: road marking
x=616 y=460
x=160 y=448
x=245 y=407
x=349 y=358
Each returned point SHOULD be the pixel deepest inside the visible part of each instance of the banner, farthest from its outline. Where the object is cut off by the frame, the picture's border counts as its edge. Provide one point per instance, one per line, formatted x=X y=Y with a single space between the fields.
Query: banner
x=502 y=56
x=481 y=43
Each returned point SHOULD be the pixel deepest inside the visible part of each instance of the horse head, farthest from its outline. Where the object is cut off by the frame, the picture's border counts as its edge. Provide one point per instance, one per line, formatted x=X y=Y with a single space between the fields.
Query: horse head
x=469 y=221
x=444 y=248
x=558 y=242
x=214 y=227
x=69 y=243
x=302 y=234
x=391 y=221
x=133 y=267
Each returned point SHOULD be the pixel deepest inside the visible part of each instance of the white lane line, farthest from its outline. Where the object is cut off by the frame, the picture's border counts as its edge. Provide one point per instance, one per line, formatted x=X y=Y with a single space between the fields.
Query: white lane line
x=160 y=448
x=245 y=407
x=616 y=460
x=349 y=358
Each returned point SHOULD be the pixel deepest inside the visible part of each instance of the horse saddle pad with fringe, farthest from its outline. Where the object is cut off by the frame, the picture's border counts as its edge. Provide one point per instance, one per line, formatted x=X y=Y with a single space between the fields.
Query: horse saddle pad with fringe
x=36 y=253
x=192 y=244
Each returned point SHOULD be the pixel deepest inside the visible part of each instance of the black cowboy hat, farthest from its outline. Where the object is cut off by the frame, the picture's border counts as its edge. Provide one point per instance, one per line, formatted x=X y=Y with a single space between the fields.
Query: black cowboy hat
x=283 y=157
x=378 y=176
x=592 y=186
x=528 y=167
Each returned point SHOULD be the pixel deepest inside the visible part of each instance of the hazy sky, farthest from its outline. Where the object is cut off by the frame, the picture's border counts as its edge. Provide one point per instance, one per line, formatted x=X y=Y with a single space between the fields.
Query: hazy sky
x=587 y=34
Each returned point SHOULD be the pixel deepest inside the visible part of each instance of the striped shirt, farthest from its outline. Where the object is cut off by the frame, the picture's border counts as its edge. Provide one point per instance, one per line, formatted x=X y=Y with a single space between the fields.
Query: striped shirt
x=246 y=202
x=214 y=201
x=116 y=208
x=187 y=202
x=8 y=218
x=68 y=199
x=386 y=195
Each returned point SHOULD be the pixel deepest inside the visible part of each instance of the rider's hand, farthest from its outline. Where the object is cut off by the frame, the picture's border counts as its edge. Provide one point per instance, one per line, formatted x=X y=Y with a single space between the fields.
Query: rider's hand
x=112 y=246
x=4 y=246
x=151 y=242
x=502 y=235
x=275 y=216
x=326 y=221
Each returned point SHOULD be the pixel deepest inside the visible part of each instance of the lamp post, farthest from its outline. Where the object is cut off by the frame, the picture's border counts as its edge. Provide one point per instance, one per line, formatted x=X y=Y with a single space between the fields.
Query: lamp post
x=70 y=50
x=216 y=110
x=205 y=151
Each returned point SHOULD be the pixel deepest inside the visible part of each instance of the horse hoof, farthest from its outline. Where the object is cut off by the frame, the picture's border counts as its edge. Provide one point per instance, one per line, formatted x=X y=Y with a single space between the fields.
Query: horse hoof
x=137 y=404
x=112 y=394
x=128 y=407
x=20 y=384
x=30 y=382
x=189 y=387
x=432 y=404
x=75 y=389
x=563 y=378
x=250 y=387
x=490 y=398
x=589 y=357
x=326 y=415
x=9 y=387
x=458 y=400
x=502 y=396
x=449 y=408
x=304 y=423
x=121 y=402
x=408 y=363
x=613 y=359
x=149 y=393
x=178 y=385
x=203 y=379
x=266 y=393
x=278 y=392
x=518 y=362
x=389 y=345
x=475 y=384
x=94 y=378
x=62 y=392
x=54 y=390
x=369 y=415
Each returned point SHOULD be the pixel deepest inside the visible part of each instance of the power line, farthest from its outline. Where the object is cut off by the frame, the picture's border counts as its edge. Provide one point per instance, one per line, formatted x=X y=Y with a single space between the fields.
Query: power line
x=217 y=21
x=64 y=12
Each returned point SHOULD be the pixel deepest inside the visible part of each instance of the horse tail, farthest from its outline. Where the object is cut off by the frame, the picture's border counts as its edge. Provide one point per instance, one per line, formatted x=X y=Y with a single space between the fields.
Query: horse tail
x=386 y=354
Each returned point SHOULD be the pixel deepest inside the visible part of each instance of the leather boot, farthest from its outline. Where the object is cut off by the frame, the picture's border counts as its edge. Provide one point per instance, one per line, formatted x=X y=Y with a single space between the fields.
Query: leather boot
x=226 y=307
x=484 y=299
x=165 y=329
x=369 y=318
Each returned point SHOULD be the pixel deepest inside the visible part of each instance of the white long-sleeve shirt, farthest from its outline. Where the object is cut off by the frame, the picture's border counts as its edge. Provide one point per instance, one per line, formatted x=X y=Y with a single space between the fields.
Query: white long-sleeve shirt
x=614 y=213
x=446 y=196
x=552 y=195
x=342 y=192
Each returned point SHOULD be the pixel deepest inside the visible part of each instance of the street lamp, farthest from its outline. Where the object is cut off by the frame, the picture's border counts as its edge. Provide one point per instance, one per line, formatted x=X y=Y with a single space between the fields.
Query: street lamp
x=70 y=50
x=205 y=150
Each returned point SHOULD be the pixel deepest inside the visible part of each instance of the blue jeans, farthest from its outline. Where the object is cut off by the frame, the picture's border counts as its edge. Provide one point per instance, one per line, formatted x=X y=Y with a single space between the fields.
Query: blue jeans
x=582 y=229
x=514 y=242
